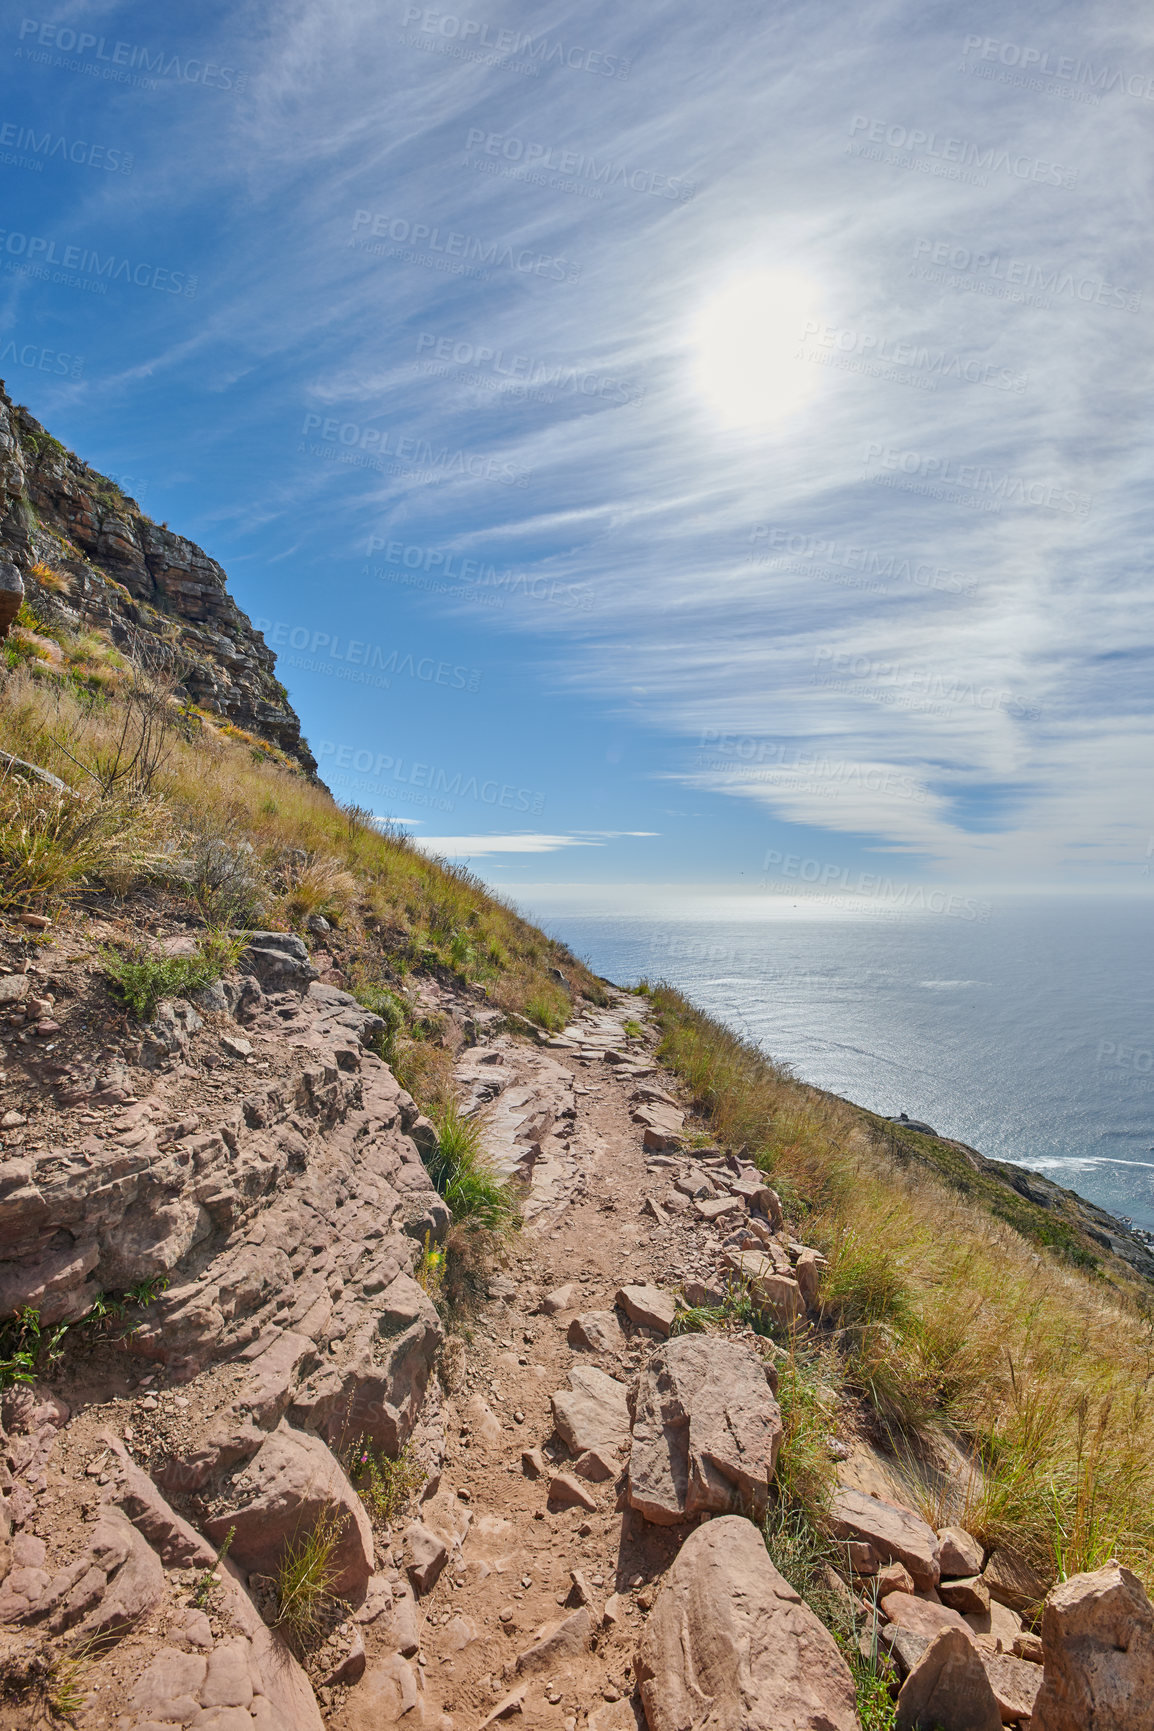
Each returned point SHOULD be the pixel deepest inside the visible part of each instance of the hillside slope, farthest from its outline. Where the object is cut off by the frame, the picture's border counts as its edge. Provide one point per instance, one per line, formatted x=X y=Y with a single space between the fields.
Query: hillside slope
x=387 y=1303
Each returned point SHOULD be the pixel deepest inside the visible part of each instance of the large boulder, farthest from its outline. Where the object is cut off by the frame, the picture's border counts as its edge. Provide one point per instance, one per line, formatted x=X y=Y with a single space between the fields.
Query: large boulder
x=706 y=1431
x=1098 y=1646
x=948 y=1689
x=730 y=1646
x=276 y=1501
x=279 y=960
x=376 y=1386
x=11 y=594
x=896 y=1534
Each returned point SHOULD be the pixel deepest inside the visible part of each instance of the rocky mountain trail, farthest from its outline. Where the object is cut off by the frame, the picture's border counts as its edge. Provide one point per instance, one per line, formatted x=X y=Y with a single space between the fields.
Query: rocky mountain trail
x=575 y=1472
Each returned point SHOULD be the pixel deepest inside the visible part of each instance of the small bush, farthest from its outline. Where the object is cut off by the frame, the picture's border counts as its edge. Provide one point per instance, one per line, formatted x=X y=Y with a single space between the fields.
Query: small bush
x=27 y=1350
x=141 y=979
x=53 y=844
x=384 y=1485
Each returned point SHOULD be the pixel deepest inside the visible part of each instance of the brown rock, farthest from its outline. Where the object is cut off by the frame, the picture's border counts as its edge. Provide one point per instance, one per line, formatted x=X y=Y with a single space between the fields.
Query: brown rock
x=561 y=1298
x=706 y=1431
x=1098 y=1640
x=895 y=1533
x=123 y=1583
x=564 y=1641
x=483 y=1421
x=1015 y=1684
x=805 y=1271
x=568 y=1493
x=648 y=1306
x=290 y=1484
x=922 y=1616
x=533 y=1464
x=729 y=1644
x=970 y=1594
x=352 y=1667
x=598 y=1465
x=593 y=1413
x=894 y=1578
x=1012 y=1581
x=715 y=1207
x=425 y=1556
x=384 y=1695
x=959 y=1553
x=998 y=1626
x=948 y=1689
x=1028 y=1646
x=596 y=1331
x=863 y=1559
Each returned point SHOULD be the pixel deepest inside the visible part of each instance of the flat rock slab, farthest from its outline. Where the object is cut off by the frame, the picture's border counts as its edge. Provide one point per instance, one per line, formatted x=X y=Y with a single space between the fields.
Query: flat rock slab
x=593 y=1413
x=1015 y=1683
x=895 y=1533
x=948 y=1689
x=729 y=1644
x=596 y=1331
x=706 y=1431
x=565 y=1641
x=960 y=1553
x=1013 y=1582
x=648 y=1306
x=922 y=1616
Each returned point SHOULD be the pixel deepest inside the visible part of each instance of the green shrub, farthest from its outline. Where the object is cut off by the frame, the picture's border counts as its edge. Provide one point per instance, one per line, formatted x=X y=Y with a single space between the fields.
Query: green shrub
x=475 y=1195
x=141 y=979
x=384 y=1485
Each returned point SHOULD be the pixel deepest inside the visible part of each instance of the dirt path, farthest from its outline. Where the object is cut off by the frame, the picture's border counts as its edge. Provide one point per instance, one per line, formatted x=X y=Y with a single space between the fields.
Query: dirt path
x=512 y=1551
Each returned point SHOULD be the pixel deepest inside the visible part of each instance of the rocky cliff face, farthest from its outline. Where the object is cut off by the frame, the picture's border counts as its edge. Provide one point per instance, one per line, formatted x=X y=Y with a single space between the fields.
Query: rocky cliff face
x=128 y=575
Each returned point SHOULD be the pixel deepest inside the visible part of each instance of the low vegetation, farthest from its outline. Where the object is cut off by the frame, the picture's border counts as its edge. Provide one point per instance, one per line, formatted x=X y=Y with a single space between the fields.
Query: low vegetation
x=305 y=1580
x=384 y=1485
x=140 y=978
x=939 y=1315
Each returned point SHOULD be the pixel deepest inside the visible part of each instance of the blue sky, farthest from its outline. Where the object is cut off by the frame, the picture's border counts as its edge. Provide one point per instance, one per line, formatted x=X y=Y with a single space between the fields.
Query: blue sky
x=683 y=457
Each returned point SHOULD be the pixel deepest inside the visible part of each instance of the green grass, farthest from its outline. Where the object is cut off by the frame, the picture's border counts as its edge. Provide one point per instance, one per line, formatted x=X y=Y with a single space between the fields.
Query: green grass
x=27 y=1348
x=384 y=1485
x=140 y=979
x=305 y=1578
x=475 y=1195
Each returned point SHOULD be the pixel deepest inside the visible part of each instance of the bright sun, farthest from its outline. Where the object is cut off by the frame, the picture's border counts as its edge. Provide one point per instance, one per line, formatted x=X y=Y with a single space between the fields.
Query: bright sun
x=746 y=341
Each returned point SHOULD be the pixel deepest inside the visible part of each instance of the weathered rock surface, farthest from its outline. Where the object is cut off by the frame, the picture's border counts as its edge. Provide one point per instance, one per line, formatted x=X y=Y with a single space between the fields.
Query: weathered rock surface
x=593 y=1413
x=596 y=1331
x=730 y=1644
x=648 y=1306
x=948 y=1689
x=922 y=1616
x=1012 y=1581
x=276 y=1500
x=959 y=1553
x=705 y=1433
x=1015 y=1684
x=425 y=1556
x=895 y=1533
x=1098 y=1641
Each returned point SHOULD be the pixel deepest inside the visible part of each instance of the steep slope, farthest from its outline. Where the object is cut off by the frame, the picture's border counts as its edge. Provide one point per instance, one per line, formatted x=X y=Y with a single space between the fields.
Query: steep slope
x=83 y=553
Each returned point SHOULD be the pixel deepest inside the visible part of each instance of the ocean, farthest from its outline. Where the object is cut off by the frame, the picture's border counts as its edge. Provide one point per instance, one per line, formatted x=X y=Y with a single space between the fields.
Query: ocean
x=1028 y=1033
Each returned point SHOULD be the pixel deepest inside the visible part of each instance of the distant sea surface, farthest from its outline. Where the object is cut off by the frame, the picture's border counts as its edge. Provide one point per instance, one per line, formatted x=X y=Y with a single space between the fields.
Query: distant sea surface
x=1029 y=1035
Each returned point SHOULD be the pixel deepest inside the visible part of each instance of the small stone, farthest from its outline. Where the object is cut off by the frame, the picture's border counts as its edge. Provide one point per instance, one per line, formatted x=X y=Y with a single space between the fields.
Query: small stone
x=533 y=1464
x=561 y=1298
x=235 y=1046
x=581 y=1587
x=970 y=1594
x=567 y=1492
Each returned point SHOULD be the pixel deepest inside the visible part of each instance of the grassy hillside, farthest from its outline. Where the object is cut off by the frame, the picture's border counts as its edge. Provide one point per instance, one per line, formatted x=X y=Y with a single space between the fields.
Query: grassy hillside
x=950 y=1304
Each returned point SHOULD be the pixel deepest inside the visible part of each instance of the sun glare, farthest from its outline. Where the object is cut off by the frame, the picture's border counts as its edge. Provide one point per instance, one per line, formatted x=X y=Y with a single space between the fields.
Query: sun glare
x=746 y=343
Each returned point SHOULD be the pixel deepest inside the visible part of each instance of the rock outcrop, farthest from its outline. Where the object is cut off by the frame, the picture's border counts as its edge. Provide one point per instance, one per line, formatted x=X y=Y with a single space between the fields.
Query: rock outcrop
x=116 y=569
x=730 y=1644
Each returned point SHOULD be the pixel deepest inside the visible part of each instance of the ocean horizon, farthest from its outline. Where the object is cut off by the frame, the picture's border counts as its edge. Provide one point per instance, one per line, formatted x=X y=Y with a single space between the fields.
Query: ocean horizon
x=1028 y=1034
